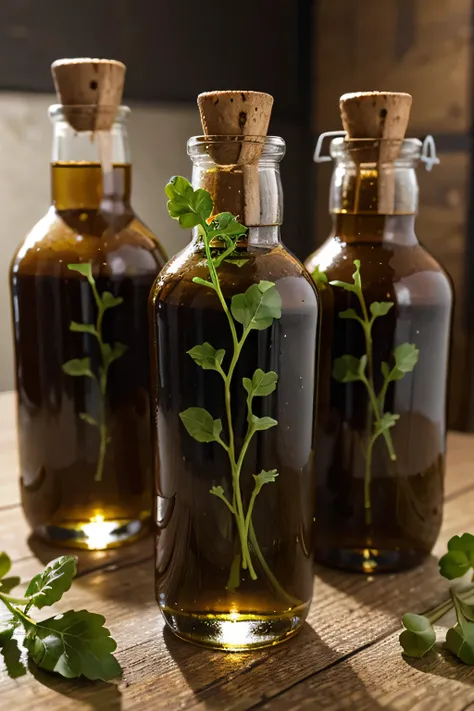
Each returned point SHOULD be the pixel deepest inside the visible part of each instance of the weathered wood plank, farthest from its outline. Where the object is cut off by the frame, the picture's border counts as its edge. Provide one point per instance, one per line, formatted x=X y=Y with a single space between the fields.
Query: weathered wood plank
x=419 y=46
x=350 y=611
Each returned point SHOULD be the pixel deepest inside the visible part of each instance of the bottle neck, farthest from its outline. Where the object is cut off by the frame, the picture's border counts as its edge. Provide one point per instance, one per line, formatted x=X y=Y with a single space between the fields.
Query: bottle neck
x=90 y=170
x=374 y=229
x=249 y=189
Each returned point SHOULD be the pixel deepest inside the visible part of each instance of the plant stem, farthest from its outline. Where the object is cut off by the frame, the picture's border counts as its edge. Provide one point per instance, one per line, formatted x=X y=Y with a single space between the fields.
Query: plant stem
x=103 y=383
x=367 y=482
x=292 y=601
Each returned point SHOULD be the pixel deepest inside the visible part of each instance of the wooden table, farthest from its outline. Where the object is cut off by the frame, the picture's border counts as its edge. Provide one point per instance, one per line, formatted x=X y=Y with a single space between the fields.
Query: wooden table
x=346 y=657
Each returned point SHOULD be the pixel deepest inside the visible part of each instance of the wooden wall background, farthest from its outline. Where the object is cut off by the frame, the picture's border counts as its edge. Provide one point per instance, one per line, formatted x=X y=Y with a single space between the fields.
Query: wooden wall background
x=423 y=47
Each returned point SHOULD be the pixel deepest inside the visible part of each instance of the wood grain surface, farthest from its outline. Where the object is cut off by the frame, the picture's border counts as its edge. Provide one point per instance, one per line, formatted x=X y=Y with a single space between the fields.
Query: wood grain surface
x=346 y=657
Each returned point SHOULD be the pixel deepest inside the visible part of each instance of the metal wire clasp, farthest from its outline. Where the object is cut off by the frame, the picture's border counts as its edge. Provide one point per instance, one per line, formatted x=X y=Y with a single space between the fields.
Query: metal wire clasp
x=428 y=152
x=318 y=158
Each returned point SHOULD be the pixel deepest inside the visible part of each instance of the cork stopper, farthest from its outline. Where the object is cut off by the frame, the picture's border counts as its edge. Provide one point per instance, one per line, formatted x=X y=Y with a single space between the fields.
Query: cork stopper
x=235 y=188
x=375 y=115
x=94 y=83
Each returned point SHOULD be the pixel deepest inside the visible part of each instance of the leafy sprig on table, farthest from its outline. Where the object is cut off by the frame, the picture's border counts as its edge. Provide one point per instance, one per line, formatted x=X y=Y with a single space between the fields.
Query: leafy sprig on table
x=109 y=353
x=72 y=644
x=419 y=636
x=256 y=309
x=348 y=369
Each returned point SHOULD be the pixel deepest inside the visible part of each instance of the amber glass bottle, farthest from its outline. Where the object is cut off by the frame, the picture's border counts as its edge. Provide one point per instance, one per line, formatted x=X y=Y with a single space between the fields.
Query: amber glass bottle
x=383 y=367
x=80 y=283
x=206 y=591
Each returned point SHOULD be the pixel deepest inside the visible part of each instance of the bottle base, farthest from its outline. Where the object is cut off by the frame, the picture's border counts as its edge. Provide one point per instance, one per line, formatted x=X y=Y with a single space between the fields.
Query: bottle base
x=369 y=560
x=235 y=632
x=95 y=534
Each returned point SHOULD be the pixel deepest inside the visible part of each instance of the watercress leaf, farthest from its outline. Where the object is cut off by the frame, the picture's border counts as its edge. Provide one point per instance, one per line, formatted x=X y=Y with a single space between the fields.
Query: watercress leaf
x=118 y=349
x=74 y=644
x=387 y=421
x=188 y=220
x=7 y=628
x=348 y=368
x=5 y=564
x=236 y=262
x=203 y=282
x=7 y=584
x=258 y=306
x=217 y=428
x=406 y=357
x=85 y=417
x=459 y=558
x=385 y=368
x=319 y=278
x=78 y=366
x=380 y=308
x=217 y=491
x=85 y=269
x=265 y=477
x=49 y=586
x=225 y=224
x=418 y=636
x=460 y=641
x=207 y=357
x=261 y=384
x=263 y=423
x=467 y=609
x=349 y=313
x=200 y=424
x=356 y=275
x=11 y=654
x=109 y=300
x=179 y=188
x=82 y=328
x=201 y=203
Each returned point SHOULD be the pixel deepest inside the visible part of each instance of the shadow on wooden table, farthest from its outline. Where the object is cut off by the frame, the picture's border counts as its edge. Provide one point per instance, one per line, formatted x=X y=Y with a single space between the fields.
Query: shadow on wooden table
x=440 y=662
x=99 y=695
x=239 y=681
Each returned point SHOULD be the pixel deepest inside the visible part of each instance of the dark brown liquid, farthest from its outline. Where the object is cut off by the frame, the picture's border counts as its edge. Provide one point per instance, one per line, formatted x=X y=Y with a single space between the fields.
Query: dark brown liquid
x=59 y=449
x=198 y=540
x=406 y=494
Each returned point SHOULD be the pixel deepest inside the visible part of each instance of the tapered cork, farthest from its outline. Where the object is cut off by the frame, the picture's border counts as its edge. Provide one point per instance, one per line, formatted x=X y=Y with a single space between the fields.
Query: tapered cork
x=95 y=85
x=381 y=115
x=235 y=186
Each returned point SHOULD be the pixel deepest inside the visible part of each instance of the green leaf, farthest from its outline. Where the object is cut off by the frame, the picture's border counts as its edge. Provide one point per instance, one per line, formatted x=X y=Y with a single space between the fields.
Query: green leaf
x=7 y=584
x=85 y=269
x=418 y=637
x=343 y=285
x=350 y=313
x=356 y=286
x=115 y=352
x=265 y=477
x=406 y=357
x=85 y=417
x=217 y=491
x=387 y=421
x=207 y=357
x=348 y=368
x=380 y=308
x=385 y=368
x=186 y=205
x=258 y=306
x=200 y=424
x=82 y=328
x=460 y=641
x=74 y=644
x=226 y=224
x=11 y=654
x=236 y=262
x=319 y=278
x=5 y=564
x=459 y=558
x=263 y=423
x=109 y=300
x=78 y=367
x=7 y=628
x=48 y=587
x=467 y=609
x=261 y=384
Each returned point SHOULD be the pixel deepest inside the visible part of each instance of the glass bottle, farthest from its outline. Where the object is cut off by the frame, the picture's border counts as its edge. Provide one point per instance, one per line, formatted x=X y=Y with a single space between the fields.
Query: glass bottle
x=202 y=588
x=382 y=415
x=80 y=283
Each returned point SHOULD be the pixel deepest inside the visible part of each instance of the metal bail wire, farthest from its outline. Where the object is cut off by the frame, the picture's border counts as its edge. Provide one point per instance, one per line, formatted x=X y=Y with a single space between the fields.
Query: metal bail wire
x=318 y=158
x=428 y=153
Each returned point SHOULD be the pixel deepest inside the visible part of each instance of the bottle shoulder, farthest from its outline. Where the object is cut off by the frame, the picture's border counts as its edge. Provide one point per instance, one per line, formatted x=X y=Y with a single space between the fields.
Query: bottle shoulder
x=408 y=270
x=247 y=266
x=57 y=240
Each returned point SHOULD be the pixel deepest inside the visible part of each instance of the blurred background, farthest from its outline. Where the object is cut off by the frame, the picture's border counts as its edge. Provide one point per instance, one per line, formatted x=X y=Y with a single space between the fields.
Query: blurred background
x=304 y=52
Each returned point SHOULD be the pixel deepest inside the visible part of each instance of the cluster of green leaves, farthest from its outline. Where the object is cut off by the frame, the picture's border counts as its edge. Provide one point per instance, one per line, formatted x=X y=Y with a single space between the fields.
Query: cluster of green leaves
x=254 y=310
x=109 y=353
x=349 y=369
x=419 y=636
x=72 y=644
